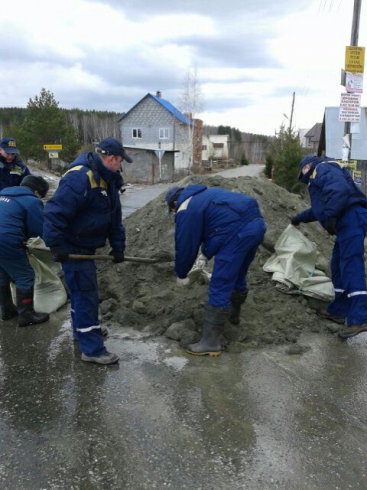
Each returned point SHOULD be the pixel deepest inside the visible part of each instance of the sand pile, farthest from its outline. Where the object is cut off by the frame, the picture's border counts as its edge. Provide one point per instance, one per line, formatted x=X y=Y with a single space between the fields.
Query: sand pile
x=144 y=297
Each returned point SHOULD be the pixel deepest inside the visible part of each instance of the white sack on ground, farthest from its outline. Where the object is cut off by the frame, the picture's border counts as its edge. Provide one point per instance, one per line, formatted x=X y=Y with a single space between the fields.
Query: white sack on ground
x=49 y=291
x=294 y=267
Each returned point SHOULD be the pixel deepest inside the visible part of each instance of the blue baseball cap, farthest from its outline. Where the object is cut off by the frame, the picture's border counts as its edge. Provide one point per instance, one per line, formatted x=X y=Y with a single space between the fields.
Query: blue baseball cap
x=9 y=145
x=307 y=160
x=111 y=146
x=172 y=196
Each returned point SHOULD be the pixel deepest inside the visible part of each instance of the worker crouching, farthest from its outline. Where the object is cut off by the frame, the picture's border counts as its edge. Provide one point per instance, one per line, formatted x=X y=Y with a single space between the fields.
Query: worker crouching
x=227 y=226
x=21 y=218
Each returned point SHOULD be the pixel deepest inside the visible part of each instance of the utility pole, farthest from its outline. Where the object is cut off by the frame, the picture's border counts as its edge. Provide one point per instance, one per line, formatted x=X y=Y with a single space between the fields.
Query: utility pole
x=291 y=119
x=347 y=145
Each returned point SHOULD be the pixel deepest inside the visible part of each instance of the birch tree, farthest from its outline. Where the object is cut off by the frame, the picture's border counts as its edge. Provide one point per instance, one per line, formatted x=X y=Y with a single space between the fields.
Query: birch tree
x=191 y=104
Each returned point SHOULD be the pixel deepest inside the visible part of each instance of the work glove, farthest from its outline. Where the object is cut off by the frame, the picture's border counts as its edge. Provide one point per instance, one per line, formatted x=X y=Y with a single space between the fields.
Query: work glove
x=201 y=261
x=59 y=256
x=182 y=282
x=330 y=226
x=117 y=256
x=295 y=221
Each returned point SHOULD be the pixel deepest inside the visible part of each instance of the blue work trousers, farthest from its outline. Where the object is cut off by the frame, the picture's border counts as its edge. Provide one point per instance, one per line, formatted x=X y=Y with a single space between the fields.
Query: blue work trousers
x=15 y=266
x=348 y=269
x=232 y=262
x=81 y=280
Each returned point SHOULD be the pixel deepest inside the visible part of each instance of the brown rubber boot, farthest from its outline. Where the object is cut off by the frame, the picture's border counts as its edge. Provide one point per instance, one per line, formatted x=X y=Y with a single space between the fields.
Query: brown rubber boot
x=352 y=331
x=327 y=316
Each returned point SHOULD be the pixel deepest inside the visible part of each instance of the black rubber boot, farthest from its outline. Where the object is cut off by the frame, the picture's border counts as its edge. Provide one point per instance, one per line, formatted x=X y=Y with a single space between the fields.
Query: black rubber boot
x=8 y=309
x=237 y=300
x=214 y=320
x=26 y=314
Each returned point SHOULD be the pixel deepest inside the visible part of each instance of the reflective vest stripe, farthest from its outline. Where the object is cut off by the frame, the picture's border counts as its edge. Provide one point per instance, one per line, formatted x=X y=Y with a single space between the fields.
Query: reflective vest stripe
x=356 y=293
x=88 y=329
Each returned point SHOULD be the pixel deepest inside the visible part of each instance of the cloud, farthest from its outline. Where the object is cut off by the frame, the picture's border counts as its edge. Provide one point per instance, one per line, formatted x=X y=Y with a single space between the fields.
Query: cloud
x=250 y=55
x=141 y=8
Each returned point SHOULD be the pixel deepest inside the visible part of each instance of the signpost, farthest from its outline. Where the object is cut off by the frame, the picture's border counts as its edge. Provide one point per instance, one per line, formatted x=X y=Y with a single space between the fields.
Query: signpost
x=52 y=147
x=354 y=64
x=53 y=152
x=159 y=153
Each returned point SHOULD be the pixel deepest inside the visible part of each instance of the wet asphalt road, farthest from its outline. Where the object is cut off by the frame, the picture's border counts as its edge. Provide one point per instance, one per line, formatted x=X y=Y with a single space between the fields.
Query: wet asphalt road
x=164 y=419
x=161 y=419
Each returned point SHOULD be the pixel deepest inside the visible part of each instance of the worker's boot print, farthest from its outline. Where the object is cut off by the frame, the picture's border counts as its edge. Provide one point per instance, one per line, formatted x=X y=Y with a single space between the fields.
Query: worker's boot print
x=237 y=300
x=214 y=320
x=8 y=309
x=26 y=313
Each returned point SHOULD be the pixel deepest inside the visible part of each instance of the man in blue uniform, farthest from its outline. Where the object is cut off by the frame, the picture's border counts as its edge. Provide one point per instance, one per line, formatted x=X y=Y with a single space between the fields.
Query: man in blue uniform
x=341 y=208
x=230 y=227
x=83 y=213
x=21 y=218
x=12 y=169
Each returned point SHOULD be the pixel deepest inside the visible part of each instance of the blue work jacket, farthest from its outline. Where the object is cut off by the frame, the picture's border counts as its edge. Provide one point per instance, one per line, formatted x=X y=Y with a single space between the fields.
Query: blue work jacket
x=332 y=191
x=85 y=210
x=208 y=217
x=21 y=215
x=12 y=174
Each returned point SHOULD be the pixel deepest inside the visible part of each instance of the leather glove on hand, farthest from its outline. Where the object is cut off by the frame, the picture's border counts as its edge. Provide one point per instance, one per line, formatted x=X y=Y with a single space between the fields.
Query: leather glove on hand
x=295 y=221
x=117 y=256
x=330 y=226
x=59 y=256
x=182 y=282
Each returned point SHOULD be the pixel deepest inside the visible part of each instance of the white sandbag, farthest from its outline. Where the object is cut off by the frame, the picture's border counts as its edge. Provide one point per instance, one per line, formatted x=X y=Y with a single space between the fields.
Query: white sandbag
x=49 y=290
x=294 y=266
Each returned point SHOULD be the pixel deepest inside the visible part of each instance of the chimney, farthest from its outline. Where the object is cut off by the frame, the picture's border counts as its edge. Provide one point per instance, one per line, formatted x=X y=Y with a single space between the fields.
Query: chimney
x=158 y=94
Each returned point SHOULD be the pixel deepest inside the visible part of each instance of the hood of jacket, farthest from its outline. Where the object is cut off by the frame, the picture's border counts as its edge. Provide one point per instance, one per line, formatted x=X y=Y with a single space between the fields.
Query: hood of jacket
x=17 y=191
x=313 y=162
x=189 y=191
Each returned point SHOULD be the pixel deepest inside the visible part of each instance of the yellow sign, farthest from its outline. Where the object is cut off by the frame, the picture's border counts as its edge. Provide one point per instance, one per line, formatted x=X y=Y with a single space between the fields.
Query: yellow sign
x=351 y=164
x=354 y=59
x=53 y=154
x=52 y=147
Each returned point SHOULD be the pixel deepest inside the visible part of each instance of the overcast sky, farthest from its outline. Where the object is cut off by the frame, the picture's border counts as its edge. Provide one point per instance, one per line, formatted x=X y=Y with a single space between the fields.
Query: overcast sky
x=250 y=55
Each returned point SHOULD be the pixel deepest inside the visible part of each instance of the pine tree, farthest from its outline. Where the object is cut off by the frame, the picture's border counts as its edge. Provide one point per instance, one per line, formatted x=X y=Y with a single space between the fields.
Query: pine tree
x=286 y=154
x=46 y=124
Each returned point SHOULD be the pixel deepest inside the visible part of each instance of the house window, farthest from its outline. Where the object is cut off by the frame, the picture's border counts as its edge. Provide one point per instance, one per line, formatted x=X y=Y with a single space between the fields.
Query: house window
x=218 y=145
x=163 y=133
x=204 y=148
x=137 y=133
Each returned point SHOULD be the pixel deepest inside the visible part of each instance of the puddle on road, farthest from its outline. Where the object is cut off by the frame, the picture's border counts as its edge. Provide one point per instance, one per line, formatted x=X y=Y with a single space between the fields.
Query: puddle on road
x=177 y=363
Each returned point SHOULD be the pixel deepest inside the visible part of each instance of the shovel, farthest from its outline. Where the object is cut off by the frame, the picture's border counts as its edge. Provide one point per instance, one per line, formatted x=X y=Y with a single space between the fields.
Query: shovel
x=127 y=259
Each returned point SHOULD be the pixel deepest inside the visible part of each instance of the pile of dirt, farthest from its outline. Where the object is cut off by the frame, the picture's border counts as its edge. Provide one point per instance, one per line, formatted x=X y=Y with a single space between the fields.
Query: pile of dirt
x=144 y=297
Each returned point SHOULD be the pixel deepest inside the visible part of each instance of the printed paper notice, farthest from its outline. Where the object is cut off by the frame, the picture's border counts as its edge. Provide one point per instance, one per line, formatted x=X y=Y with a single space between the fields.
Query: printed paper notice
x=354 y=82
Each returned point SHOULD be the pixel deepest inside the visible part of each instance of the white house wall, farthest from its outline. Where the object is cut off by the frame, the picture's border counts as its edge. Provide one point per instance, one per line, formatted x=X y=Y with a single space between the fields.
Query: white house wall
x=334 y=133
x=216 y=153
